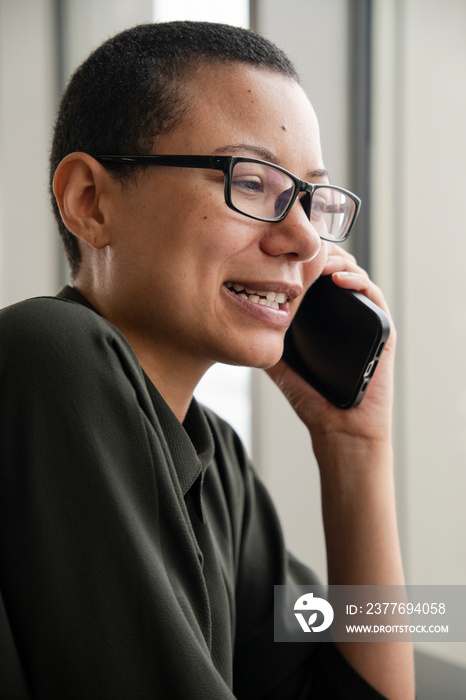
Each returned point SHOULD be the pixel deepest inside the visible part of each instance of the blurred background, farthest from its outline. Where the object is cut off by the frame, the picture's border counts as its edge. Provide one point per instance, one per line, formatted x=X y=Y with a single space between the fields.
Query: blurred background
x=387 y=80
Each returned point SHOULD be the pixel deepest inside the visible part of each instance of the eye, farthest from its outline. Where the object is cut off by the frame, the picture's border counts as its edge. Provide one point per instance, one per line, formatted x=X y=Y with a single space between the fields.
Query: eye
x=251 y=178
x=320 y=205
x=251 y=184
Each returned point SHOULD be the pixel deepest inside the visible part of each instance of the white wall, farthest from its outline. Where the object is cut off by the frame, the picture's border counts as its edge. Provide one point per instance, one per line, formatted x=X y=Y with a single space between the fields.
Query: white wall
x=28 y=254
x=29 y=243
x=420 y=232
x=89 y=22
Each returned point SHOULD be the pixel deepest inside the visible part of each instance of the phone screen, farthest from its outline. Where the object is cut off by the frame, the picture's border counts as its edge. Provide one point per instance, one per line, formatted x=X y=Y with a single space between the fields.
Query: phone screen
x=335 y=341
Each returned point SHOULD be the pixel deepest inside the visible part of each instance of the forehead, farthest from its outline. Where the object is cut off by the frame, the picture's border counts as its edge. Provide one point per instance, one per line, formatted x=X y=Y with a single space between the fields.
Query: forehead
x=235 y=105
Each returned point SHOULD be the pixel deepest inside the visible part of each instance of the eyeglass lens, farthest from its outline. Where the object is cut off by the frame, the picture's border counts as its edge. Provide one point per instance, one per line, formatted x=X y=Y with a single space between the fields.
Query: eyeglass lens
x=264 y=192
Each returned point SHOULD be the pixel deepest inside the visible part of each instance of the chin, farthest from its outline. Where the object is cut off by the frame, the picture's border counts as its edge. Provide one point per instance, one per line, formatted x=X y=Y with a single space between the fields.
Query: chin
x=259 y=357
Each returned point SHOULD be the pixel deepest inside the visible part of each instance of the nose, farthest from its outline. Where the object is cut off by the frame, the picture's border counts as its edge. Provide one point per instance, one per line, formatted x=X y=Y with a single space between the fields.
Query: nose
x=295 y=236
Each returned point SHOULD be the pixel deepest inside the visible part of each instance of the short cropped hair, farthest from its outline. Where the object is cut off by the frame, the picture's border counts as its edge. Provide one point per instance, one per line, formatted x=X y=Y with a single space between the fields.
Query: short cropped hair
x=133 y=88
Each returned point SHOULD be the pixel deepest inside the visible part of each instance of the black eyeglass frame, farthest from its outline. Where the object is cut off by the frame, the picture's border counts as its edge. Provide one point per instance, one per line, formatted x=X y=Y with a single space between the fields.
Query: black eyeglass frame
x=226 y=165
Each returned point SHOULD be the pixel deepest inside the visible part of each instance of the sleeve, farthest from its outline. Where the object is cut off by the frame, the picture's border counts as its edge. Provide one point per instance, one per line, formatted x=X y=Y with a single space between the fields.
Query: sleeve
x=264 y=669
x=96 y=597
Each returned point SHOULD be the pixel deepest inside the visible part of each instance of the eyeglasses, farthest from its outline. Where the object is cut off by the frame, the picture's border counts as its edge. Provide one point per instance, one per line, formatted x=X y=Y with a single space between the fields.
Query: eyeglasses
x=266 y=192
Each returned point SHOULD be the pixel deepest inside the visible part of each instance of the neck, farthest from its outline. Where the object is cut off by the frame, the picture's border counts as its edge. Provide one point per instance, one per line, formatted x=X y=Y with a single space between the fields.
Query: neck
x=174 y=384
x=174 y=374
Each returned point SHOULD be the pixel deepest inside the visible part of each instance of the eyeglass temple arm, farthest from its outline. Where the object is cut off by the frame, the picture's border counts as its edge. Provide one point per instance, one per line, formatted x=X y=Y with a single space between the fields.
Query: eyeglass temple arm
x=213 y=162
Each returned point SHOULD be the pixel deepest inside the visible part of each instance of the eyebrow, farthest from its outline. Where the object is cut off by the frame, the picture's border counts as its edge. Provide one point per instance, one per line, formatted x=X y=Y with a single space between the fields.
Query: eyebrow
x=256 y=150
x=319 y=173
x=265 y=154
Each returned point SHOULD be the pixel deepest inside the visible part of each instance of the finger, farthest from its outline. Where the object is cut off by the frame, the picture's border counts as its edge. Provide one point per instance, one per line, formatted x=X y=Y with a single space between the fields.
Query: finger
x=360 y=282
x=342 y=261
x=357 y=280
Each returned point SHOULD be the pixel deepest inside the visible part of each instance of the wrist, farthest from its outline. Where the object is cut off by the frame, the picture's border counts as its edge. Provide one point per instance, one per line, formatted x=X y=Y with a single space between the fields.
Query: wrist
x=340 y=451
x=357 y=479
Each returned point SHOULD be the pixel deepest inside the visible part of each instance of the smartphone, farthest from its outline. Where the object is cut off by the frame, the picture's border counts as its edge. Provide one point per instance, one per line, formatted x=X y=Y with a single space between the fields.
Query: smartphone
x=335 y=341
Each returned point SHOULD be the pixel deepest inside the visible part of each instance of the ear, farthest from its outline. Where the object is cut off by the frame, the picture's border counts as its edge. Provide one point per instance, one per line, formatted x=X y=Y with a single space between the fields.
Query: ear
x=78 y=185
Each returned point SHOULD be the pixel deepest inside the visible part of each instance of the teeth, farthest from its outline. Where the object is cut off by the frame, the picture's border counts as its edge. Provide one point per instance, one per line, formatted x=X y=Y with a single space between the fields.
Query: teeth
x=262 y=301
x=270 y=299
x=268 y=302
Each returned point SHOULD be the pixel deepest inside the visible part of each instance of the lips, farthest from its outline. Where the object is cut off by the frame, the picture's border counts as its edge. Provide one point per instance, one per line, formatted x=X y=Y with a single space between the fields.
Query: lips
x=270 y=298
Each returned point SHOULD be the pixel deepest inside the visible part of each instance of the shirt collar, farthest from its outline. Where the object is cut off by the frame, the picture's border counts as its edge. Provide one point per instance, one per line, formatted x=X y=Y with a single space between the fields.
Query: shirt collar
x=191 y=443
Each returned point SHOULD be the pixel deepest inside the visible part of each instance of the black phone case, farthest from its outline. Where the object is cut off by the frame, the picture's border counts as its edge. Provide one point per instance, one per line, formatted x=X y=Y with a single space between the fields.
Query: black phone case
x=335 y=341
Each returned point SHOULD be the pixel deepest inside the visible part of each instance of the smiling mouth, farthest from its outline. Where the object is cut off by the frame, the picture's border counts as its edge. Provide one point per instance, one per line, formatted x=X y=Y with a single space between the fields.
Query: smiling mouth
x=273 y=300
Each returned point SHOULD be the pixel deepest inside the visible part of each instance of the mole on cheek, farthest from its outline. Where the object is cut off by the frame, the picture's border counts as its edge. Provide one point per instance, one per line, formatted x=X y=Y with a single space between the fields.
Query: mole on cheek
x=284 y=127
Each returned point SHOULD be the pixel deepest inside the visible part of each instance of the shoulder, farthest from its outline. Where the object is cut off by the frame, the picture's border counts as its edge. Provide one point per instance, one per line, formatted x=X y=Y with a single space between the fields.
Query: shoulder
x=45 y=318
x=52 y=322
x=57 y=338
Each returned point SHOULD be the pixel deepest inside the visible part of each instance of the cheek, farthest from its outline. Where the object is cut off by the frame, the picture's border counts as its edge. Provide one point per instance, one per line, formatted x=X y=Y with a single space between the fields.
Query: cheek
x=189 y=238
x=216 y=238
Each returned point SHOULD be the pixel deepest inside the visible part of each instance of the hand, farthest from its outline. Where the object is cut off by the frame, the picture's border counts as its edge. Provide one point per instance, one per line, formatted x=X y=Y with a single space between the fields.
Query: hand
x=353 y=450
x=372 y=418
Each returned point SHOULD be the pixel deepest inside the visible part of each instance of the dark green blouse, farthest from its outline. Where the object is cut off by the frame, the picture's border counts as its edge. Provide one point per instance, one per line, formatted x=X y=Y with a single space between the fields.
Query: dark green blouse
x=137 y=555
